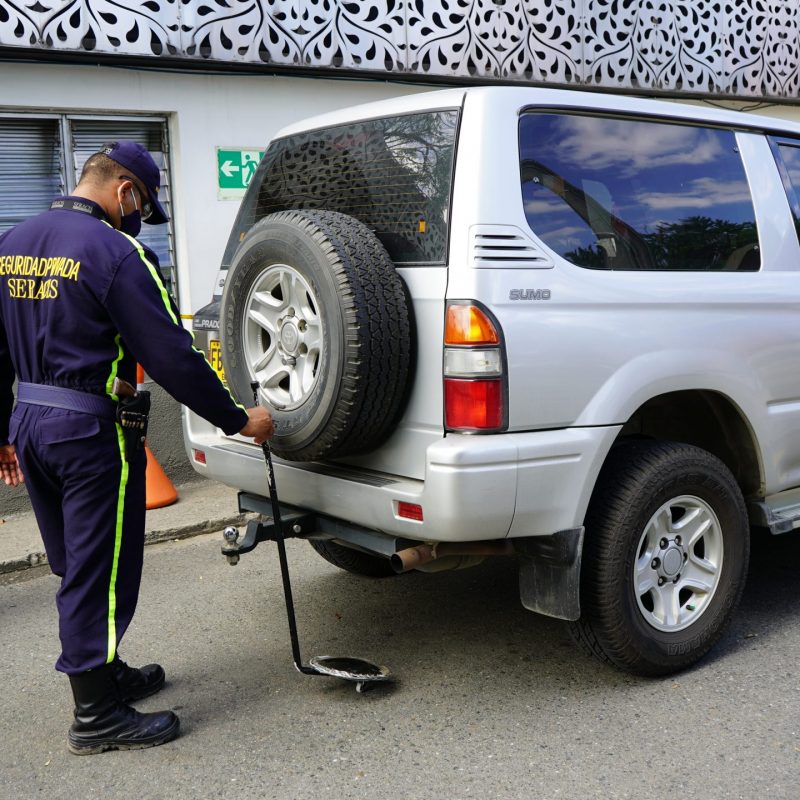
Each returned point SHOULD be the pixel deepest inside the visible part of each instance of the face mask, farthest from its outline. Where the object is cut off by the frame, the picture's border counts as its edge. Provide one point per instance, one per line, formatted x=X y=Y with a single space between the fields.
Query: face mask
x=131 y=223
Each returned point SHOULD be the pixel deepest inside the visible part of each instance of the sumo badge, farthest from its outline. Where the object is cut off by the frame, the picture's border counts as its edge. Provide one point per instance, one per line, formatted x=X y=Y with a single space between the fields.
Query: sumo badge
x=529 y=294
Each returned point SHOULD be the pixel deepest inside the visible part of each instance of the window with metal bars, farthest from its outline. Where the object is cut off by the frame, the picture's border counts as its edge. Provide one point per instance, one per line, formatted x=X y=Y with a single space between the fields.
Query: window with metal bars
x=36 y=166
x=31 y=172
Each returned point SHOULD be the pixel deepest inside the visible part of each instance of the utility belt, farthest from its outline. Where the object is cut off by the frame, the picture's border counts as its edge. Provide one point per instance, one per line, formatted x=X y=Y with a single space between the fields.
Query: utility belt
x=131 y=412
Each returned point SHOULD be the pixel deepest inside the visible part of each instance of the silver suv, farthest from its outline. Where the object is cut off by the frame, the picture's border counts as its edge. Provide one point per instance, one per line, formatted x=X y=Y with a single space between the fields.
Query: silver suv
x=555 y=325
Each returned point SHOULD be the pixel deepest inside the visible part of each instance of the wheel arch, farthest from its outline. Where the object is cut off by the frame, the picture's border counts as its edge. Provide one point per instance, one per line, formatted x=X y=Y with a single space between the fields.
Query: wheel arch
x=707 y=382
x=709 y=420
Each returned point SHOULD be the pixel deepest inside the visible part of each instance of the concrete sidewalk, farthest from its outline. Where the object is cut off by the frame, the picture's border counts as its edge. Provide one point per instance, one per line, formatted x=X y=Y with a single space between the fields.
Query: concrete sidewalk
x=203 y=507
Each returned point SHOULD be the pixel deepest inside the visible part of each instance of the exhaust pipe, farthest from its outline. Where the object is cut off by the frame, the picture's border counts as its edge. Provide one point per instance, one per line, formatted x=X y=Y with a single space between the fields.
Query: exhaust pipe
x=419 y=556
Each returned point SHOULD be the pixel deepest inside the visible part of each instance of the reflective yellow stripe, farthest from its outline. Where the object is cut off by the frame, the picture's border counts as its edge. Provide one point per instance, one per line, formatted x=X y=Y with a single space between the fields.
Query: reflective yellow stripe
x=112 y=588
x=114 y=369
x=165 y=299
x=123 y=482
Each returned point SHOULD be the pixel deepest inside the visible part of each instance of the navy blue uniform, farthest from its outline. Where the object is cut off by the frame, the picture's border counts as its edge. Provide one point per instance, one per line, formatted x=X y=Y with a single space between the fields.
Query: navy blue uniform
x=81 y=304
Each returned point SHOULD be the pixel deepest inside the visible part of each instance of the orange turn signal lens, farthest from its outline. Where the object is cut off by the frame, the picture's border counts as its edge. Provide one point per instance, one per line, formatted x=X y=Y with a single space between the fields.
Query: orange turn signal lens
x=469 y=325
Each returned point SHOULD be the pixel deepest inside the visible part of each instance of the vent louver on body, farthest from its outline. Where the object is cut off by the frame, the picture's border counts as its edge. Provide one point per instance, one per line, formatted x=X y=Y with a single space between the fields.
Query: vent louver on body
x=505 y=246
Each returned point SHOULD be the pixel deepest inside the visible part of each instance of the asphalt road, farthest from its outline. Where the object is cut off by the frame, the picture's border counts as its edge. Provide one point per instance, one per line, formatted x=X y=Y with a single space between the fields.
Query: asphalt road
x=491 y=702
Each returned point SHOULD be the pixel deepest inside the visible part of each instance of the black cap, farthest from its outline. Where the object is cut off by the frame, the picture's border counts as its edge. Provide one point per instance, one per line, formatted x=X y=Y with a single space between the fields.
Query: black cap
x=138 y=160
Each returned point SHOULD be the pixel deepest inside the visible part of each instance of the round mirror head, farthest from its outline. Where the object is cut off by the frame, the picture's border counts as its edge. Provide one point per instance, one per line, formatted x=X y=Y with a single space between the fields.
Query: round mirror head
x=349 y=669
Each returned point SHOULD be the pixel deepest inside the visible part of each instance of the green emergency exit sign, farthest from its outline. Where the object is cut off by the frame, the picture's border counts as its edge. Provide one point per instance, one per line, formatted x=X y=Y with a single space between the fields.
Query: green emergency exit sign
x=235 y=170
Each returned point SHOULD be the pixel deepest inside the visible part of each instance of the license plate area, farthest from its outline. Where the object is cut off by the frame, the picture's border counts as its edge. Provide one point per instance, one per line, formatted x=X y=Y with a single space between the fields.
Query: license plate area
x=215 y=358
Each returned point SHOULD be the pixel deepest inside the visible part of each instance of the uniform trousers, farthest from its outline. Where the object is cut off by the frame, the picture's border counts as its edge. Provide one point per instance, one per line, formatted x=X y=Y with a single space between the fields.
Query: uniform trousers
x=89 y=503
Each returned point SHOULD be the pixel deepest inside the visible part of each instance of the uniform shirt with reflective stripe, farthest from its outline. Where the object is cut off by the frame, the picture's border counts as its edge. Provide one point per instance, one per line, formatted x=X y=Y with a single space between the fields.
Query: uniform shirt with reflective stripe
x=81 y=303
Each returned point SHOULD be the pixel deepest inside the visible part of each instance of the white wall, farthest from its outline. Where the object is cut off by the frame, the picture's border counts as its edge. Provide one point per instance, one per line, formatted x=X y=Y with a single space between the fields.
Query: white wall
x=206 y=112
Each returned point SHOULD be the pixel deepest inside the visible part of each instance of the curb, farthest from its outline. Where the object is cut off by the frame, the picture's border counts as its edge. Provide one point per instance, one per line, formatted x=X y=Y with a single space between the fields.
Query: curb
x=16 y=564
x=195 y=529
x=38 y=559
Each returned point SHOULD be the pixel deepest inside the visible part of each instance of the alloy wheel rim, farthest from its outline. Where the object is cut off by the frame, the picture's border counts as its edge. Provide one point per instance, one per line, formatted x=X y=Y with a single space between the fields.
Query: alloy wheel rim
x=678 y=563
x=282 y=340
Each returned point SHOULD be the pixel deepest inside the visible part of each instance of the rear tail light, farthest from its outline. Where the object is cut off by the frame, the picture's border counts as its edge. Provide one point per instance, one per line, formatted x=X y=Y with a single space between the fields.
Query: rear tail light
x=475 y=386
x=473 y=405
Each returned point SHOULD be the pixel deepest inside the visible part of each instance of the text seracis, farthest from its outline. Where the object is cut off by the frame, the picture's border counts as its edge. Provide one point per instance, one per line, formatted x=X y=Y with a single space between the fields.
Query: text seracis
x=24 y=274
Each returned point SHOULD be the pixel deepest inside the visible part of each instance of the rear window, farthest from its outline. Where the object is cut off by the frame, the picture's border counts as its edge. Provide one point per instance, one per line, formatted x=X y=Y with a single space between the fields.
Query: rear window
x=394 y=175
x=626 y=194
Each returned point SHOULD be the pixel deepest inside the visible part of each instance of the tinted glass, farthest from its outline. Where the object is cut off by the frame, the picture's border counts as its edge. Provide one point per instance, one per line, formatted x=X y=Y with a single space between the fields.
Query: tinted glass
x=790 y=154
x=629 y=194
x=392 y=174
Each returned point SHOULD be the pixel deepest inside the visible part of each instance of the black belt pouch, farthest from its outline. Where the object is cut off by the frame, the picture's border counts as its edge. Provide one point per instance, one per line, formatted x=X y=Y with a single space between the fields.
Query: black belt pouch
x=132 y=415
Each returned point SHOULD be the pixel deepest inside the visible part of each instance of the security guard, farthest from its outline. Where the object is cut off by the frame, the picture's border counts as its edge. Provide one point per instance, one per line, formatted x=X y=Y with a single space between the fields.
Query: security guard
x=81 y=302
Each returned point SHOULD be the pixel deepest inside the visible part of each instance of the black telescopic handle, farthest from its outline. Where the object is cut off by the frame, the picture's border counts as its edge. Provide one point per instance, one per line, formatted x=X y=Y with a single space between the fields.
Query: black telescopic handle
x=279 y=538
x=273 y=491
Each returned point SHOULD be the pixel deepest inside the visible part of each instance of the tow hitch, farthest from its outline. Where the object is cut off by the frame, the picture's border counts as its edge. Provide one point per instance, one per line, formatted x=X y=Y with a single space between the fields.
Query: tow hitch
x=294 y=524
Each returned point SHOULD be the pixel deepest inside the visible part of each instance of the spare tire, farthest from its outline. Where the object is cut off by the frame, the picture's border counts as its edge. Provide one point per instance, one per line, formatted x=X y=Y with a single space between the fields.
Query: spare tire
x=314 y=310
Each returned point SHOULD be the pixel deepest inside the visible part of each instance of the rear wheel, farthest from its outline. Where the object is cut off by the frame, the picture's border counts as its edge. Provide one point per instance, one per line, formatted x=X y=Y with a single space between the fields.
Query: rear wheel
x=665 y=559
x=351 y=560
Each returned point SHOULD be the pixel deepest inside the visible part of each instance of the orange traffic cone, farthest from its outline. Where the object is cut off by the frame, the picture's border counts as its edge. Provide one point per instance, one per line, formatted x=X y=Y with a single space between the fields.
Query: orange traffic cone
x=160 y=491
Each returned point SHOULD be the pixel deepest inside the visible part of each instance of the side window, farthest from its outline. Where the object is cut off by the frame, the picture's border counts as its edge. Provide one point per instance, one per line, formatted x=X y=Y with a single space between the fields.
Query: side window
x=789 y=165
x=625 y=194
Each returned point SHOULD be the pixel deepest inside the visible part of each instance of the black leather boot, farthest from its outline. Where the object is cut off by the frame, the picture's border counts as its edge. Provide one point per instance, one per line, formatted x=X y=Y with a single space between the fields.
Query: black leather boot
x=103 y=722
x=135 y=684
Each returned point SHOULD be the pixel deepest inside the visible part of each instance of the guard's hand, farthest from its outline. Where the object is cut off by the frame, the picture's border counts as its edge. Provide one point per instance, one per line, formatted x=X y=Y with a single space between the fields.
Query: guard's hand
x=259 y=426
x=10 y=470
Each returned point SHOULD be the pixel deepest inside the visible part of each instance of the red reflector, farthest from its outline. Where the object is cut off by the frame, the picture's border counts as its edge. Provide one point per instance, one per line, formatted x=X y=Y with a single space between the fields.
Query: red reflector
x=199 y=456
x=473 y=405
x=409 y=511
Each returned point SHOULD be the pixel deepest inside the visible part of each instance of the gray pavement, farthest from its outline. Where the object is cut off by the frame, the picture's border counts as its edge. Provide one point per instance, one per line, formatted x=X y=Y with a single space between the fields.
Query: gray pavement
x=491 y=701
x=203 y=506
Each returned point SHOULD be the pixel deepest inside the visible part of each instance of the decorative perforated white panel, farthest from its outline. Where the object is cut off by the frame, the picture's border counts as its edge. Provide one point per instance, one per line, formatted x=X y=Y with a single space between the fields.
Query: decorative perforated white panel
x=712 y=47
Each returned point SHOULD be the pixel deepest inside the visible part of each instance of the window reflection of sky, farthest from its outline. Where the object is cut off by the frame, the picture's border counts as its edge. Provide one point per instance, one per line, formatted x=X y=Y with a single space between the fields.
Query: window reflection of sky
x=626 y=146
x=647 y=174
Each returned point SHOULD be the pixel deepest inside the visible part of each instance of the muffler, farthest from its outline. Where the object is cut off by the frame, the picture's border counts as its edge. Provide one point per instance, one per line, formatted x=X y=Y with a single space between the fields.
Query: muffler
x=458 y=554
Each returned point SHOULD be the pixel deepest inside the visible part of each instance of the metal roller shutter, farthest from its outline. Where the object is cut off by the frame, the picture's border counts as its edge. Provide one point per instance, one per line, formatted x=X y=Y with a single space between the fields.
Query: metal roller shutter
x=89 y=136
x=31 y=173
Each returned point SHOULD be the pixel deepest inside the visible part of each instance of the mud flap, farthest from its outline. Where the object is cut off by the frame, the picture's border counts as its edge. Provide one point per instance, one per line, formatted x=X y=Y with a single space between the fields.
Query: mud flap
x=550 y=573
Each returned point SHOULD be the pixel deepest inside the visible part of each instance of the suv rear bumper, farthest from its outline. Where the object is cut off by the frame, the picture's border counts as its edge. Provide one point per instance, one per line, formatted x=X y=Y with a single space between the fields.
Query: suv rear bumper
x=475 y=487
